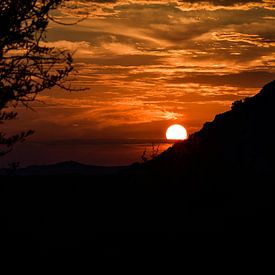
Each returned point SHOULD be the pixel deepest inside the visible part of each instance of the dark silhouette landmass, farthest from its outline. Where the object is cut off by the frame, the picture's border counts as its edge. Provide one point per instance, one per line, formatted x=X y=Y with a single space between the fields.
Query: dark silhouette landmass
x=237 y=143
x=63 y=168
x=220 y=179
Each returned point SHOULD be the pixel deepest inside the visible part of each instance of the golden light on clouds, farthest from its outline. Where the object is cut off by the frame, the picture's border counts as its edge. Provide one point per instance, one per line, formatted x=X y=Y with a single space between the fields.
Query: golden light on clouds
x=151 y=64
x=150 y=60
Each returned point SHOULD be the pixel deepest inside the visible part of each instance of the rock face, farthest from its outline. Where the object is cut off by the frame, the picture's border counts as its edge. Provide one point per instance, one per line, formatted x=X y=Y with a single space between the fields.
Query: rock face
x=237 y=146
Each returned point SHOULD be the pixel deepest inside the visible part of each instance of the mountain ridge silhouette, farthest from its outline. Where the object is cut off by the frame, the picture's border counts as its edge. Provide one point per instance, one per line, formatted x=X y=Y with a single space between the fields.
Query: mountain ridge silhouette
x=64 y=168
x=240 y=140
x=220 y=179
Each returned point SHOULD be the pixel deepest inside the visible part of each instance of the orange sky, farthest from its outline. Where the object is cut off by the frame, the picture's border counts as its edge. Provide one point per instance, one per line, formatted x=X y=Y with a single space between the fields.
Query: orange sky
x=147 y=64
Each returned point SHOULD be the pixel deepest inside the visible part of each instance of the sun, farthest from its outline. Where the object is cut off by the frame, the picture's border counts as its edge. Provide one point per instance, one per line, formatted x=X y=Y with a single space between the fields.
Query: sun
x=176 y=132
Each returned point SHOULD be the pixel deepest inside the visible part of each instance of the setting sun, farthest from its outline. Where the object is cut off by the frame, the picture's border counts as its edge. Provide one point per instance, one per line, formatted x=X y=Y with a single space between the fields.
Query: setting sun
x=176 y=132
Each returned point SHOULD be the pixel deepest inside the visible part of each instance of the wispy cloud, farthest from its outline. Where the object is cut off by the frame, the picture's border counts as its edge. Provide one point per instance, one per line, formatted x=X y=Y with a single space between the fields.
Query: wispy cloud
x=113 y=8
x=150 y=62
x=243 y=38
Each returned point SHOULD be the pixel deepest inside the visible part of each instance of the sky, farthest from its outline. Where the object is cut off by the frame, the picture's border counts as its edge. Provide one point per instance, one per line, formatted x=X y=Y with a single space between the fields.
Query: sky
x=146 y=65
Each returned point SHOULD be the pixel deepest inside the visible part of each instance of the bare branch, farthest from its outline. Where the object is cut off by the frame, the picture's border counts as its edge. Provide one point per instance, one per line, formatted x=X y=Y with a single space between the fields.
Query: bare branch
x=27 y=65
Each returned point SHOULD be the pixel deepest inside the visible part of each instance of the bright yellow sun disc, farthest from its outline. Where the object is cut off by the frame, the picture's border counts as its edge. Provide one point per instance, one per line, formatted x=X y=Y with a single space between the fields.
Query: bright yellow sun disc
x=176 y=132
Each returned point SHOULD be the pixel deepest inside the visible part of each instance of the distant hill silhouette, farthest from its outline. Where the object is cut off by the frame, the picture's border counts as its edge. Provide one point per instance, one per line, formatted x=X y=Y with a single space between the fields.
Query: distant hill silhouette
x=63 y=168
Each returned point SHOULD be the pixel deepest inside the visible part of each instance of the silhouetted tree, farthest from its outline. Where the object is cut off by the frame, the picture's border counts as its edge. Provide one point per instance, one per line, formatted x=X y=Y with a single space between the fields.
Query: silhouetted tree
x=152 y=154
x=28 y=65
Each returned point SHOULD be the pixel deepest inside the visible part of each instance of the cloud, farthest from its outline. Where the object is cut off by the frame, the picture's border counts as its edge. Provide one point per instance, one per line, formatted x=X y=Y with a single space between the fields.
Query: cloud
x=158 y=61
x=113 y=7
x=78 y=48
x=213 y=5
x=253 y=39
x=242 y=79
x=106 y=111
x=148 y=64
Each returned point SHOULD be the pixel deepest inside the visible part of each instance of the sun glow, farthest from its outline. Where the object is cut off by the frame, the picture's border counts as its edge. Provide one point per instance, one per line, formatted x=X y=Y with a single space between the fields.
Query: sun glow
x=176 y=132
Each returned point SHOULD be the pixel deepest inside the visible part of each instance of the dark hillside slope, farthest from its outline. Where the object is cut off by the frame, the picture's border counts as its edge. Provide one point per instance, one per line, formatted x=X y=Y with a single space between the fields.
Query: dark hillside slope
x=233 y=156
x=220 y=179
x=239 y=142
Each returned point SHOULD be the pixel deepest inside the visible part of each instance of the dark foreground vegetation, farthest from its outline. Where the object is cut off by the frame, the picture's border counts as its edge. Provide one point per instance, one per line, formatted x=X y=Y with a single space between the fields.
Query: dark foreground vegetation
x=220 y=179
x=88 y=217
